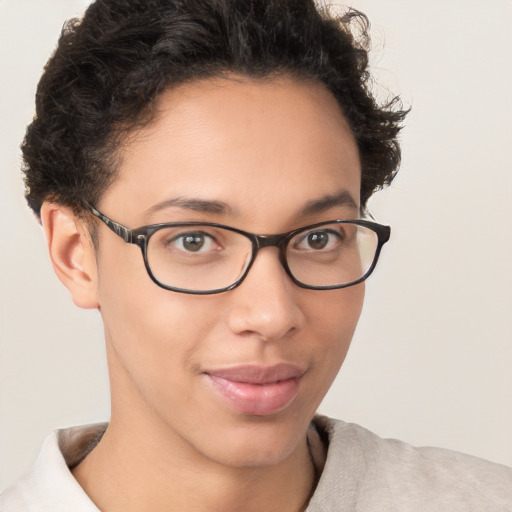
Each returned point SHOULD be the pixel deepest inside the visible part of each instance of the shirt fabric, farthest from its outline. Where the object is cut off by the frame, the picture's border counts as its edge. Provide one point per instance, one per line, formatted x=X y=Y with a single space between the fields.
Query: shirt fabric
x=362 y=473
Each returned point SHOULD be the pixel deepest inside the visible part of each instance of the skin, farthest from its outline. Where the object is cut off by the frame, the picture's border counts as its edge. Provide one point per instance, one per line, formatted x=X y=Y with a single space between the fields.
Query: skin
x=265 y=149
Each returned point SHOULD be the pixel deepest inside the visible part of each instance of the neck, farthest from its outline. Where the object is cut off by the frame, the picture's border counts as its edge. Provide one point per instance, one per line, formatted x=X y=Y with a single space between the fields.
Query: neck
x=132 y=471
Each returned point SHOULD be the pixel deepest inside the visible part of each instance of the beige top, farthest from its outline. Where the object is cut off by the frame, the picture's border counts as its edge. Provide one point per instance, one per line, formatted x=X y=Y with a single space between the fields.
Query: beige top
x=363 y=473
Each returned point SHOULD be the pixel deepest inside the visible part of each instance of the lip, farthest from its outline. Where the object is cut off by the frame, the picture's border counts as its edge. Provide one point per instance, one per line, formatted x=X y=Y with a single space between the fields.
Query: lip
x=257 y=390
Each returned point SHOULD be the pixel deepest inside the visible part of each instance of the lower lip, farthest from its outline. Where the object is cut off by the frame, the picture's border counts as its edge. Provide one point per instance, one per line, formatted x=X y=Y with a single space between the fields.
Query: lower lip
x=257 y=399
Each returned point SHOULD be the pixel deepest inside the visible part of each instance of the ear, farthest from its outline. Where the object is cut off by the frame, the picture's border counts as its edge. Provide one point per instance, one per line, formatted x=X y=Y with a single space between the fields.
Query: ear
x=72 y=253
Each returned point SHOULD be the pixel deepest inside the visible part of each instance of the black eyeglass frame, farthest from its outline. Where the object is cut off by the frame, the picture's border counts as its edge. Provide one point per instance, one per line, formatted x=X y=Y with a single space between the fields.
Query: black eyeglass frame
x=140 y=237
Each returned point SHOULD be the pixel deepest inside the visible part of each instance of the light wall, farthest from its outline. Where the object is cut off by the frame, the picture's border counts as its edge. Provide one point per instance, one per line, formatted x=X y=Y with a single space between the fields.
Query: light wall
x=431 y=360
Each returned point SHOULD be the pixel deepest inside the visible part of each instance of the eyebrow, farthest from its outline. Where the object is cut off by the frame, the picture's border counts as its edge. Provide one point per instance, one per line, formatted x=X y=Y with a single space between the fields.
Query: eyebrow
x=315 y=206
x=188 y=203
x=322 y=204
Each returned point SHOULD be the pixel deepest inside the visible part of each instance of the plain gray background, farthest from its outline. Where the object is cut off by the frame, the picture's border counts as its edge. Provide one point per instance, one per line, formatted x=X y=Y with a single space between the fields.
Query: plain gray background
x=431 y=360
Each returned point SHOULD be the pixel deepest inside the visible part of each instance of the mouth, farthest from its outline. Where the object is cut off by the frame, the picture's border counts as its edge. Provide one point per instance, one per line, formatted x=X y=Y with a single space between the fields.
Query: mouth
x=257 y=390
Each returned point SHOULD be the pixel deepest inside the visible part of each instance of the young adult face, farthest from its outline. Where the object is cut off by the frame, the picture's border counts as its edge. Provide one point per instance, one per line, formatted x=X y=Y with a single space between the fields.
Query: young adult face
x=264 y=149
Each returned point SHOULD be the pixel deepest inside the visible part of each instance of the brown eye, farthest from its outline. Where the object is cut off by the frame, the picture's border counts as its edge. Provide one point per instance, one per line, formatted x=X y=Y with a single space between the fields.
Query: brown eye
x=193 y=243
x=318 y=240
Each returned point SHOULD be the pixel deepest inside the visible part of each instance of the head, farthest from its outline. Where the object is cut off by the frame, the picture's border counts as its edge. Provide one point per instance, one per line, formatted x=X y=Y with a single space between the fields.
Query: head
x=109 y=69
x=253 y=114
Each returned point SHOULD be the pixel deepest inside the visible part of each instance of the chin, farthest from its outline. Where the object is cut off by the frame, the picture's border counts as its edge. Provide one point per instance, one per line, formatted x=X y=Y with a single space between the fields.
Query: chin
x=255 y=455
x=256 y=441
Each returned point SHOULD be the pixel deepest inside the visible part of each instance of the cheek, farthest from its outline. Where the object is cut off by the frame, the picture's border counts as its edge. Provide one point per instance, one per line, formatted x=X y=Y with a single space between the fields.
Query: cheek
x=336 y=314
x=335 y=320
x=152 y=334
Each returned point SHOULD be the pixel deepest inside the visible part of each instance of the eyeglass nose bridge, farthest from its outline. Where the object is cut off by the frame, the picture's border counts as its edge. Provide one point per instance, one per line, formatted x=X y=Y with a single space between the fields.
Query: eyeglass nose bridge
x=261 y=241
x=271 y=241
x=279 y=241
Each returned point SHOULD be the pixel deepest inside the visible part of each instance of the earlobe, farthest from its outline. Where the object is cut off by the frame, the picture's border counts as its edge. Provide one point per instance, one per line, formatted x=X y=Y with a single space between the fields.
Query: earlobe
x=71 y=253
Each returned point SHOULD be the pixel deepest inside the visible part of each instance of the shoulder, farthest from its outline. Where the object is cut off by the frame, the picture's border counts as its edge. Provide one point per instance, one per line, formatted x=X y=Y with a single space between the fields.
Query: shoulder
x=370 y=474
x=49 y=485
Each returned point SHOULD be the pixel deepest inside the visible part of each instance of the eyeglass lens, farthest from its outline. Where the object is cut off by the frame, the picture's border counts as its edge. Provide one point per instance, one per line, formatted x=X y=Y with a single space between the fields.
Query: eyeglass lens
x=202 y=258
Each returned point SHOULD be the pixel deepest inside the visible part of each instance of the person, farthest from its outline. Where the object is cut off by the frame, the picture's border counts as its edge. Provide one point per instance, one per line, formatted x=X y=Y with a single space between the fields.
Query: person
x=236 y=143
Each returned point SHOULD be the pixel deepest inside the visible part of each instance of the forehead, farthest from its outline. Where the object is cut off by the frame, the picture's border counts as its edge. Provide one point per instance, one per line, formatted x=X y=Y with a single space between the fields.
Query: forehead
x=255 y=145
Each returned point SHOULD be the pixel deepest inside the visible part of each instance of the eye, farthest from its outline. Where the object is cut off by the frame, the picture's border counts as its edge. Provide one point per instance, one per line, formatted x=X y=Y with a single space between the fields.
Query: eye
x=194 y=242
x=318 y=240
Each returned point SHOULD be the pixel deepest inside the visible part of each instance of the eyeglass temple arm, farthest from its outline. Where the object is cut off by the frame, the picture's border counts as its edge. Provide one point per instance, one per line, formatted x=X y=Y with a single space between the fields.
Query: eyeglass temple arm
x=120 y=230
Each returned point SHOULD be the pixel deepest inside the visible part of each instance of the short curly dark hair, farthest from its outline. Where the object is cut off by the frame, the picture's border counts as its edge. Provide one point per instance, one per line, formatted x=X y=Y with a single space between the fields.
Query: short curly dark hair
x=110 y=66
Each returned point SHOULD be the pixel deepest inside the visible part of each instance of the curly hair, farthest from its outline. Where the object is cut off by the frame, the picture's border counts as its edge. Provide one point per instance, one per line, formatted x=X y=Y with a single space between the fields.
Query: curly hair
x=110 y=66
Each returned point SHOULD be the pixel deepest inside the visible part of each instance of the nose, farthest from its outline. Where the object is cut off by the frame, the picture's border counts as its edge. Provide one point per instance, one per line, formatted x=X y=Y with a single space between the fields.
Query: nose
x=265 y=304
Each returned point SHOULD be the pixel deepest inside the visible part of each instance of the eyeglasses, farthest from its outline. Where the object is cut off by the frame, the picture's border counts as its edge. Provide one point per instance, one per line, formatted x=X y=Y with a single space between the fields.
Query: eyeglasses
x=206 y=258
